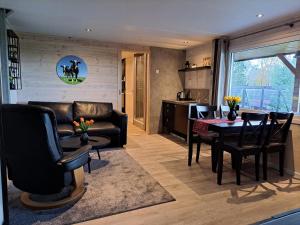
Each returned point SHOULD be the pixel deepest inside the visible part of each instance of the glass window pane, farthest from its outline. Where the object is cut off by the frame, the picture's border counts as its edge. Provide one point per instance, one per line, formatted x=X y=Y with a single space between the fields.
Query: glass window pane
x=263 y=83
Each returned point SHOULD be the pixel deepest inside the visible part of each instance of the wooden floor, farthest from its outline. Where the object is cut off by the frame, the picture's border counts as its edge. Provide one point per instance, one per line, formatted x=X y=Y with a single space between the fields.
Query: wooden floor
x=199 y=200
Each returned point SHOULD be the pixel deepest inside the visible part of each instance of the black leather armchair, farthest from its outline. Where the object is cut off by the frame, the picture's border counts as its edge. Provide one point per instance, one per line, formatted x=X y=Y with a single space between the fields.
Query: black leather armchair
x=35 y=161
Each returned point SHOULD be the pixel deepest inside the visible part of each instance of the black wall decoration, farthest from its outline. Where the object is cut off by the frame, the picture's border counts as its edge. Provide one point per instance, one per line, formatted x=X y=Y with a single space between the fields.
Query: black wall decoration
x=14 y=62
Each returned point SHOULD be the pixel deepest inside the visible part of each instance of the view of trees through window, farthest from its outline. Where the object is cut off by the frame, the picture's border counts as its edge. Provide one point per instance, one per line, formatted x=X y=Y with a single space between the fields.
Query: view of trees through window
x=264 y=83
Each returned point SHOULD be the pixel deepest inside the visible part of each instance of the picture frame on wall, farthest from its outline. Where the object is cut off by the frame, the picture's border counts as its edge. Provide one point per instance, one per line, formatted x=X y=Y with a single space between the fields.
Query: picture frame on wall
x=71 y=69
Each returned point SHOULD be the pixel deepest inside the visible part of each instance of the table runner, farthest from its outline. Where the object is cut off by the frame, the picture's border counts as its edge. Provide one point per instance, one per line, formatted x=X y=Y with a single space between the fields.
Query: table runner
x=201 y=125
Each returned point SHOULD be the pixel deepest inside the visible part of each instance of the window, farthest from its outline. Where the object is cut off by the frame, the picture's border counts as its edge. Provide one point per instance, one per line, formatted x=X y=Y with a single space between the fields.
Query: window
x=264 y=80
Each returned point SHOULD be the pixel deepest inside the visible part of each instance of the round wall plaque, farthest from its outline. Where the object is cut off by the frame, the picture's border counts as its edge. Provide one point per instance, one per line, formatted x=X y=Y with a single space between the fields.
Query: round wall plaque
x=71 y=69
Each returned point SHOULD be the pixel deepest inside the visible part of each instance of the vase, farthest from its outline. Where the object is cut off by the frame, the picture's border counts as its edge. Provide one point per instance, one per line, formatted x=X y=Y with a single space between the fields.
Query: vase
x=232 y=115
x=84 y=138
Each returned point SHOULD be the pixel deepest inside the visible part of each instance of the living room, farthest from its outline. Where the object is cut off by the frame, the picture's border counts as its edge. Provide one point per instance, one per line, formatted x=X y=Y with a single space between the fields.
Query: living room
x=125 y=112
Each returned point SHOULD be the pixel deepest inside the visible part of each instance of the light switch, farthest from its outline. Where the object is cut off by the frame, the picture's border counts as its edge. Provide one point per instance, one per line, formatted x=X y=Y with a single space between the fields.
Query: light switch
x=157 y=71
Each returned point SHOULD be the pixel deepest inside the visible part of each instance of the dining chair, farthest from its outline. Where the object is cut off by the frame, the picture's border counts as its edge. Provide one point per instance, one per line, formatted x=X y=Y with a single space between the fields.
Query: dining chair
x=248 y=143
x=276 y=139
x=224 y=110
x=207 y=112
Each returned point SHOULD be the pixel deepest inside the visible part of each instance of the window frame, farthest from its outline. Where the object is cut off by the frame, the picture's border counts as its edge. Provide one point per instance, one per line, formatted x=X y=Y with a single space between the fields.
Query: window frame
x=228 y=85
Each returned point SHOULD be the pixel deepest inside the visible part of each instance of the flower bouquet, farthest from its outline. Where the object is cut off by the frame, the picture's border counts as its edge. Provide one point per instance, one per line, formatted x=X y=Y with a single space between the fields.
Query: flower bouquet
x=232 y=102
x=84 y=125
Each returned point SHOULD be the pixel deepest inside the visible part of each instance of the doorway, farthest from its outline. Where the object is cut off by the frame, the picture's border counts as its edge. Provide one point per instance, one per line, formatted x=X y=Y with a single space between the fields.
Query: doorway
x=134 y=85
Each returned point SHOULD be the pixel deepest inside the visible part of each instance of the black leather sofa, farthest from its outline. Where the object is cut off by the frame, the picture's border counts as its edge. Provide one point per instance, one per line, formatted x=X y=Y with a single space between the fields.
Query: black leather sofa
x=108 y=122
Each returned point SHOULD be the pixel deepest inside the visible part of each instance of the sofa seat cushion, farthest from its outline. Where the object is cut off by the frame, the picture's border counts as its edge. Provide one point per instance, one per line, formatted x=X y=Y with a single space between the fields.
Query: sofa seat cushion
x=65 y=130
x=102 y=128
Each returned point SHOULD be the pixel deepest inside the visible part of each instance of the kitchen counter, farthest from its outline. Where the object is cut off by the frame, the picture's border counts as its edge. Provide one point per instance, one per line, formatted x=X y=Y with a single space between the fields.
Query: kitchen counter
x=175 y=116
x=179 y=102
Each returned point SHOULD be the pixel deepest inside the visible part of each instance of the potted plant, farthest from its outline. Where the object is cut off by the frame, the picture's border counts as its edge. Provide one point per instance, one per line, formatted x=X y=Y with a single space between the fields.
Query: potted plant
x=84 y=125
x=232 y=102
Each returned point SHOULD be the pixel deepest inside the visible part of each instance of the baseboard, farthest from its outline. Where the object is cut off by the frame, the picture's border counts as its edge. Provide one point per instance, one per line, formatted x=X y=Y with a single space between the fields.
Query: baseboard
x=286 y=170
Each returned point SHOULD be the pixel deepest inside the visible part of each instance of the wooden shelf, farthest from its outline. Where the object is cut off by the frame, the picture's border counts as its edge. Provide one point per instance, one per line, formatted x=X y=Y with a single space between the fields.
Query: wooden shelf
x=195 y=69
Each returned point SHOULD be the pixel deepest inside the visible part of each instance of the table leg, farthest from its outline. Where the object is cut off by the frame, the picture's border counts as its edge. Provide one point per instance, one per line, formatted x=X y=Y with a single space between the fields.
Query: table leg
x=190 y=155
x=98 y=154
x=190 y=142
x=220 y=158
x=89 y=164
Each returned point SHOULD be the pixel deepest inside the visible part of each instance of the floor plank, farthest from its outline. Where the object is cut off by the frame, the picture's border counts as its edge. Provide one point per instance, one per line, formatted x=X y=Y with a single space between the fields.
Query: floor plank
x=199 y=200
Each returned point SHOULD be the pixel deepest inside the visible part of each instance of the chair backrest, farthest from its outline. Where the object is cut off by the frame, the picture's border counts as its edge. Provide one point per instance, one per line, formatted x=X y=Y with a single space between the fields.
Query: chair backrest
x=30 y=147
x=224 y=110
x=253 y=128
x=279 y=127
x=206 y=112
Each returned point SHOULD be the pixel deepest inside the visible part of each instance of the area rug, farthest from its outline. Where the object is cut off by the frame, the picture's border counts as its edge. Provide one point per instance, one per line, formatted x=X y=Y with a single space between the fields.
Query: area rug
x=116 y=184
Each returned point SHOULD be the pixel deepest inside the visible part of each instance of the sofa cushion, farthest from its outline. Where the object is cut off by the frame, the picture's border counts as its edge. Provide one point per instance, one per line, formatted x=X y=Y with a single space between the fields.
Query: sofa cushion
x=65 y=130
x=93 y=110
x=102 y=128
x=63 y=111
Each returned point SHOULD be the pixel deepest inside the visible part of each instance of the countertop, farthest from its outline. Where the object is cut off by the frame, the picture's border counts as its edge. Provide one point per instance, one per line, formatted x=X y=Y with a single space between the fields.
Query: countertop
x=179 y=102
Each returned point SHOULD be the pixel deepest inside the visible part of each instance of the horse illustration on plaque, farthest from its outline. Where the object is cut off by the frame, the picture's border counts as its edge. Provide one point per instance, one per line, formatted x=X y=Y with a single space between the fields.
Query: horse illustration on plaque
x=71 y=69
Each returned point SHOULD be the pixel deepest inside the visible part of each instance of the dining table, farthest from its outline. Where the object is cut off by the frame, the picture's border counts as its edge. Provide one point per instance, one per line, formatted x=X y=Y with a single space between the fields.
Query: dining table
x=222 y=126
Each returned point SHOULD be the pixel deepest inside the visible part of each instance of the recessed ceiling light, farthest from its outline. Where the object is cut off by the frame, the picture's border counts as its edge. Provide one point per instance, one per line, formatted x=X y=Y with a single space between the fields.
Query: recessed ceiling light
x=260 y=15
x=88 y=29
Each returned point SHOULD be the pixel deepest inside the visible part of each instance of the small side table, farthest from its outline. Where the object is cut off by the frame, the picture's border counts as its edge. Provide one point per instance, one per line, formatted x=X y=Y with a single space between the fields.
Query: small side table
x=72 y=143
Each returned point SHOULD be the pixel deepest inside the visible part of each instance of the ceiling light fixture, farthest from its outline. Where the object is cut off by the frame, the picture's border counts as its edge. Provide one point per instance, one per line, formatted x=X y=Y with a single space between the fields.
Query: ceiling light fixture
x=88 y=29
x=260 y=15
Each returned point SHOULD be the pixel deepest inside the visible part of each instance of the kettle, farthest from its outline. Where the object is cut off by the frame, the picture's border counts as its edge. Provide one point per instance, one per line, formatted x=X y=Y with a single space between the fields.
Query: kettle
x=181 y=95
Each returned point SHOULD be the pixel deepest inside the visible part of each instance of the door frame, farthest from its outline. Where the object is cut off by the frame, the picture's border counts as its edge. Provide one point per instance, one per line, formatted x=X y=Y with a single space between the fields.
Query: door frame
x=145 y=51
x=137 y=122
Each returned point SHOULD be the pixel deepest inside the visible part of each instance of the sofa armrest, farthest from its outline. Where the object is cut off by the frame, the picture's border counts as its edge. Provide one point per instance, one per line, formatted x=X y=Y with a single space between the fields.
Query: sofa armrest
x=120 y=119
x=76 y=159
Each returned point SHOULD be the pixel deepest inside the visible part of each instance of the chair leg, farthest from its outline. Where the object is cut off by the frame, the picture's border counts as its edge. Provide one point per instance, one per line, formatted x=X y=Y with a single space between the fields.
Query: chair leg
x=232 y=161
x=220 y=166
x=214 y=158
x=265 y=165
x=257 y=159
x=238 y=165
x=190 y=154
x=198 y=151
x=281 y=162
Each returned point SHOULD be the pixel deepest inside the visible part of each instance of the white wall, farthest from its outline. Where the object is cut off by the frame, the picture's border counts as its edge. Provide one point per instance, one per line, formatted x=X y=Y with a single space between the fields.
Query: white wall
x=40 y=54
x=40 y=81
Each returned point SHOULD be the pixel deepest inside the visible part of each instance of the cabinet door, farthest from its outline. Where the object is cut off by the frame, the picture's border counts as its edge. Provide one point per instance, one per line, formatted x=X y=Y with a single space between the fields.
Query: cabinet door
x=168 y=116
x=180 y=121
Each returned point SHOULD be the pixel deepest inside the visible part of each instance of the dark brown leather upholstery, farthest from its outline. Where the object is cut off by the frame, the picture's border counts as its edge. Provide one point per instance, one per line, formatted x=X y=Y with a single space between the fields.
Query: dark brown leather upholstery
x=102 y=128
x=93 y=110
x=65 y=130
x=108 y=122
x=63 y=111
x=31 y=150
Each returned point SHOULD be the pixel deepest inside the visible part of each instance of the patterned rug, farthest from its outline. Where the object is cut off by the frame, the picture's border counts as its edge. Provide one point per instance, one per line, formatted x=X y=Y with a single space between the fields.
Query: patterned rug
x=116 y=184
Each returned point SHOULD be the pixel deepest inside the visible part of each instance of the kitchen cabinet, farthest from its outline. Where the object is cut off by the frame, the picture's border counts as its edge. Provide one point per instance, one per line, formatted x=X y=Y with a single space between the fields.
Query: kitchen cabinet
x=175 y=117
